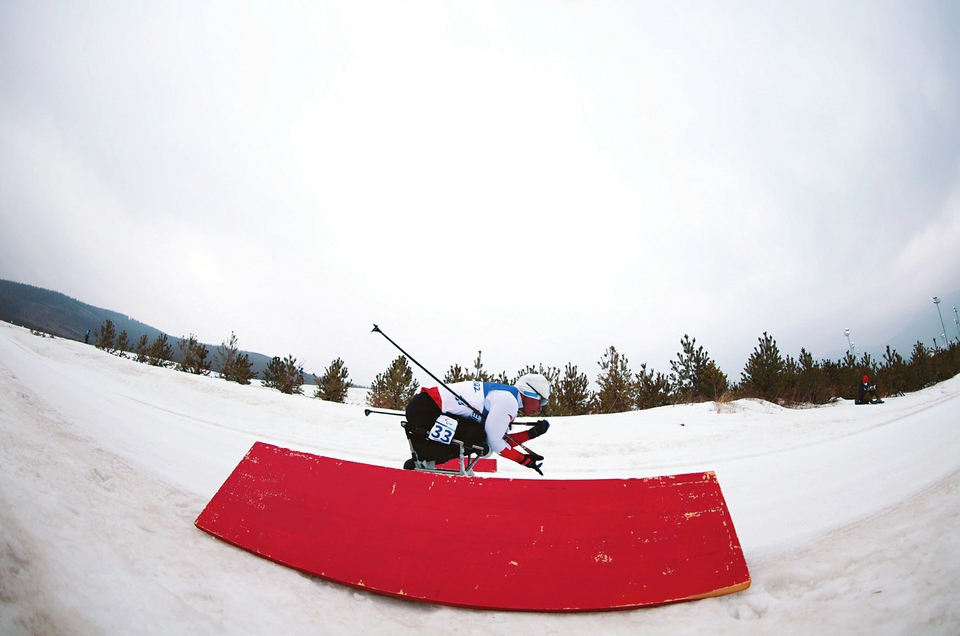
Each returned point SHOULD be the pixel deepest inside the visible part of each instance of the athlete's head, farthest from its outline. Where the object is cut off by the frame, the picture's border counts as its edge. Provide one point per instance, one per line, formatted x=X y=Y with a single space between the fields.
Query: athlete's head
x=535 y=391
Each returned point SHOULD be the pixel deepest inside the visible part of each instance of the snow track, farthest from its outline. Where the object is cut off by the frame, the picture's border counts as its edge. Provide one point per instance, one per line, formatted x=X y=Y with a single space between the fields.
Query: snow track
x=849 y=516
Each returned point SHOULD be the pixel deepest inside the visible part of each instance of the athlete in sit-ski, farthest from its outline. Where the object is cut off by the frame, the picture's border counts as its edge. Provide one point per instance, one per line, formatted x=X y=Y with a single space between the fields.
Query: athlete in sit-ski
x=499 y=404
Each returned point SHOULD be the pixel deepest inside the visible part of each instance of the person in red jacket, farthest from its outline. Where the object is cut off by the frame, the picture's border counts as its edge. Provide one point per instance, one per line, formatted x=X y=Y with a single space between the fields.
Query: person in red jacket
x=865 y=391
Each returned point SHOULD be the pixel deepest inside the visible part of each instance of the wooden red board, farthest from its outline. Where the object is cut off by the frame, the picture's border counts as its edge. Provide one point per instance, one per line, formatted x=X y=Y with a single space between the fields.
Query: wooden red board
x=488 y=543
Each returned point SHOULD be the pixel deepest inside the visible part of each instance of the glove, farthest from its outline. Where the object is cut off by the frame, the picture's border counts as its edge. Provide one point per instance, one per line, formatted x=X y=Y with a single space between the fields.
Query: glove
x=534 y=461
x=538 y=429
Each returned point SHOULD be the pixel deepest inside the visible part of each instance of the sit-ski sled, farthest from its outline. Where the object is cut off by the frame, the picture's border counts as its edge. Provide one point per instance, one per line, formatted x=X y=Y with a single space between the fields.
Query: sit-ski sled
x=453 y=438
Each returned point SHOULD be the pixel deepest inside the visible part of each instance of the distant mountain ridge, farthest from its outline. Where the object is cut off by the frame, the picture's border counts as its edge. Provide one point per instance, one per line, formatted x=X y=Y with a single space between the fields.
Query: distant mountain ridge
x=60 y=315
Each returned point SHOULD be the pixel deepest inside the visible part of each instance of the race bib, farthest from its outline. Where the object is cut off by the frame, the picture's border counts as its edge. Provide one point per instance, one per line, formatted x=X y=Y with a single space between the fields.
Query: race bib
x=443 y=430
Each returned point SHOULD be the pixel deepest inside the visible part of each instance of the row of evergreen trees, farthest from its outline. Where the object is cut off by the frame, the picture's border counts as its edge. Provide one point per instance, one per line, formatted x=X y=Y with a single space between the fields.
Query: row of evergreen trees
x=695 y=377
x=285 y=374
x=787 y=380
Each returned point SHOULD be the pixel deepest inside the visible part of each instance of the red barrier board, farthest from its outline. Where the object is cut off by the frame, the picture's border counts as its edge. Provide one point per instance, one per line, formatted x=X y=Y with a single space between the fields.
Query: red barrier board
x=482 y=465
x=486 y=543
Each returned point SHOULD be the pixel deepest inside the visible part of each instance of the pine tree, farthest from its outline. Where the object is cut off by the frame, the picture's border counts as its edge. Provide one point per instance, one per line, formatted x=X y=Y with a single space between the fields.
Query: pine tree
x=479 y=373
x=921 y=367
x=789 y=379
x=550 y=373
x=194 y=356
x=836 y=378
x=694 y=375
x=456 y=373
x=393 y=388
x=764 y=370
x=617 y=388
x=571 y=394
x=685 y=369
x=283 y=375
x=845 y=376
x=123 y=342
x=333 y=385
x=160 y=352
x=812 y=383
x=142 y=348
x=893 y=372
x=652 y=389
x=711 y=383
x=233 y=365
x=106 y=336
x=946 y=362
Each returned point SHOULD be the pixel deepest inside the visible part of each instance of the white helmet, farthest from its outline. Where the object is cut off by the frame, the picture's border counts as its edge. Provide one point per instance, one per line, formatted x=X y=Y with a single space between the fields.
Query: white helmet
x=535 y=386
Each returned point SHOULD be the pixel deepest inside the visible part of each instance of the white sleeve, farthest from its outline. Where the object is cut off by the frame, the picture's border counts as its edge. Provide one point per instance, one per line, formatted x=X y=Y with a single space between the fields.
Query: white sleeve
x=502 y=411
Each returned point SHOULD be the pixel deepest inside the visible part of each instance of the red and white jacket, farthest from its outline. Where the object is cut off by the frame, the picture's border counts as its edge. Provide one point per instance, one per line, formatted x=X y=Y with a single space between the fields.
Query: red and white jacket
x=497 y=403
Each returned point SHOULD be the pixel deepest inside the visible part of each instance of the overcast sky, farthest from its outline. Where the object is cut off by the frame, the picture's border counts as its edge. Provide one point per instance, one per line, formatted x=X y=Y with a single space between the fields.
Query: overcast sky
x=537 y=180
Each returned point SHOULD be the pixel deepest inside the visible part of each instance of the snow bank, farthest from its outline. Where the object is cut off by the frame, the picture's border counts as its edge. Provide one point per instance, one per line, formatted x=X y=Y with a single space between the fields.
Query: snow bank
x=849 y=516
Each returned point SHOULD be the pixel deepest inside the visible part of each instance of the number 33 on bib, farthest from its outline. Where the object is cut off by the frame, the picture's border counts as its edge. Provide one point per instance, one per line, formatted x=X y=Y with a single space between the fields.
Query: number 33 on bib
x=443 y=430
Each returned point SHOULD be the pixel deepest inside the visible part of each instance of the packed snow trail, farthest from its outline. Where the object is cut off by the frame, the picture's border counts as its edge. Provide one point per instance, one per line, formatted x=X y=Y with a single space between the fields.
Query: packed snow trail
x=849 y=515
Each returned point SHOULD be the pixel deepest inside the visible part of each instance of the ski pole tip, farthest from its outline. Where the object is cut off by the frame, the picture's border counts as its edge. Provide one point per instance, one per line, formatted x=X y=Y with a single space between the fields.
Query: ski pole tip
x=375 y=328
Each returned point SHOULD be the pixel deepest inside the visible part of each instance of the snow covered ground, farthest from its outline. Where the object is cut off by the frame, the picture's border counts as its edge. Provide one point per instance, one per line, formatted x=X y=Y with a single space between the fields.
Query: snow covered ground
x=849 y=516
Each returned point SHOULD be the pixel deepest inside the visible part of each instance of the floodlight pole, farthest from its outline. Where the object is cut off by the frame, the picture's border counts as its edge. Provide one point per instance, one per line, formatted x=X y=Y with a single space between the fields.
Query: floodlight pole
x=936 y=301
x=849 y=344
x=956 y=321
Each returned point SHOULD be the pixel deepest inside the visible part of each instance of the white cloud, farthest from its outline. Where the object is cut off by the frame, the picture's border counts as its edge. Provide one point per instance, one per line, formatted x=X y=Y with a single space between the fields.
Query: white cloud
x=932 y=253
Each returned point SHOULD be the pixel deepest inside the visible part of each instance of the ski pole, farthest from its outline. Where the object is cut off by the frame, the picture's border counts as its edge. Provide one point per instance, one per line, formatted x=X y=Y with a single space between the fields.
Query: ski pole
x=438 y=380
x=369 y=411
x=510 y=437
